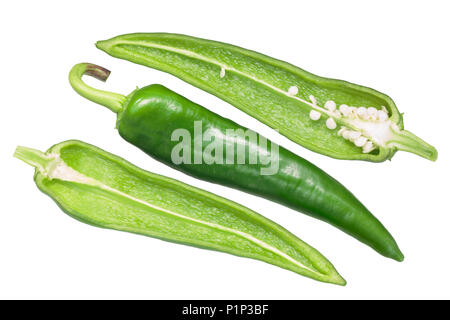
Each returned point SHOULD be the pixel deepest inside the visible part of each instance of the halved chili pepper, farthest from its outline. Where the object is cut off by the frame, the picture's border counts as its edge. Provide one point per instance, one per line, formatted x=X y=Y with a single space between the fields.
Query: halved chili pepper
x=332 y=117
x=103 y=190
x=148 y=118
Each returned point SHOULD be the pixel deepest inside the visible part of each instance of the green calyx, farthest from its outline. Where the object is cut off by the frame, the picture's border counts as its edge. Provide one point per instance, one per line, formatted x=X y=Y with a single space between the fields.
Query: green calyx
x=407 y=141
x=113 y=101
x=33 y=157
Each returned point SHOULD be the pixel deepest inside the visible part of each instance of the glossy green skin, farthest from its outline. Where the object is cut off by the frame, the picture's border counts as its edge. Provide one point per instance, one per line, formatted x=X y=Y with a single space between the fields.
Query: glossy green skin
x=117 y=195
x=151 y=114
x=258 y=85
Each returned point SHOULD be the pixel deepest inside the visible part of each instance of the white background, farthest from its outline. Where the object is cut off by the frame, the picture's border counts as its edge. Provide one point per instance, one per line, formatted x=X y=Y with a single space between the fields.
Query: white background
x=400 y=48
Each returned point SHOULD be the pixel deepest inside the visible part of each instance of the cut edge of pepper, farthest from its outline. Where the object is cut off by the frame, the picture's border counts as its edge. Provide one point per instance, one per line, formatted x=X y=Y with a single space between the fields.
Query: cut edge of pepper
x=36 y=158
x=408 y=142
x=46 y=162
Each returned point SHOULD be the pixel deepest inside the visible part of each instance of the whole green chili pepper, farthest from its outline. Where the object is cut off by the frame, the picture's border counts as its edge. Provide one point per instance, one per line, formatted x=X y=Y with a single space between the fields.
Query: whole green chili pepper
x=332 y=117
x=103 y=190
x=150 y=117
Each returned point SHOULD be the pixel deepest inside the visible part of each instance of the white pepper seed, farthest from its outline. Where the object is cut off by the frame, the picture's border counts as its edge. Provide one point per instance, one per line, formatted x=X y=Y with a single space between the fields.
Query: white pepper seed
x=330 y=123
x=362 y=112
x=353 y=111
x=360 y=141
x=313 y=99
x=293 y=90
x=371 y=111
x=381 y=115
x=330 y=105
x=314 y=115
x=368 y=146
x=341 y=131
x=222 y=72
x=354 y=135
x=344 y=109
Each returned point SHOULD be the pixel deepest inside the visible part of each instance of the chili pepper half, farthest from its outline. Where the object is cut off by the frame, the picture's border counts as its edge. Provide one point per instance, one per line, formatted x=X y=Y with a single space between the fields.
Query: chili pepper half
x=332 y=117
x=149 y=117
x=103 y=190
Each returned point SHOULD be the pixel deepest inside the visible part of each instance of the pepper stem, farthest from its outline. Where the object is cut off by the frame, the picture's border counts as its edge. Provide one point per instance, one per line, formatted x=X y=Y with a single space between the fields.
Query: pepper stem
x=36 y=158
x=407 y=141
x=113 y=101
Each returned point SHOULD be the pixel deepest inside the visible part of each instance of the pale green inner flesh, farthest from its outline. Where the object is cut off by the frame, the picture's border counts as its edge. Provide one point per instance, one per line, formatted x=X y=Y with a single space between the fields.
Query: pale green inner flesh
x=260 y=87
x=124 y=198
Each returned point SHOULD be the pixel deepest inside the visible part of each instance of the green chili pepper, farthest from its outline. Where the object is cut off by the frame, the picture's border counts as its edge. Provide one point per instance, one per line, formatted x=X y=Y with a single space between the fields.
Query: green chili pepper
x=332 y=117
x=150 y=117
x=103 y=190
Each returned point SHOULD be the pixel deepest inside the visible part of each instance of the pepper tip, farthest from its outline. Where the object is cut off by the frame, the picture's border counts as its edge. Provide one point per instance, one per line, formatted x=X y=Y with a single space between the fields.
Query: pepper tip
x=102 y=45
x=400 y=257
